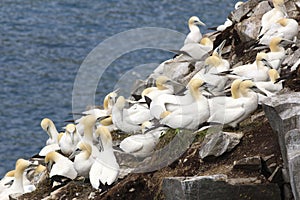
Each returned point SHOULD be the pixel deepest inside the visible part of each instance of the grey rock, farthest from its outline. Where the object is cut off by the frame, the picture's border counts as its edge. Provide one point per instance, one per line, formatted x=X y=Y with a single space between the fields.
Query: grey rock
x=283 y=113
x=249 y=163
x=248 y=29
x=217 y=187
x=245 y=9
x=215 y=144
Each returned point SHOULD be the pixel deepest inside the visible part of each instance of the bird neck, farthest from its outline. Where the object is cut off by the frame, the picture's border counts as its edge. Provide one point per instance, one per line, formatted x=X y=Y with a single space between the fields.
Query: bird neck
x=235 y=93
x=194 y=28
x=18 y=181
x=195 y=93
x=276 y=48
x=88 y=134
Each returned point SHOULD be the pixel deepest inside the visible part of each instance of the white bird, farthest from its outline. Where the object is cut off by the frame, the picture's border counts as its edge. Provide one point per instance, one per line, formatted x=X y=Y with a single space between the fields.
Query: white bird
x=228 y=22
x=233 y=110
x=258 y=71
x=17 y=185
x=285 y=28
x=105 y=169
x=48 y=126
x=194 y=34
x=213 y=65
x=277 y=53
x=108 y=103
x=59 y=165
x=129 y=120
x=142 y=145
x=83 y=159
x=188 y=116
x=162 y=87
x=269 y=88
x=6 y=180
x=69 y=140
x=272 y=16
x=195 y=51
x=170 y=102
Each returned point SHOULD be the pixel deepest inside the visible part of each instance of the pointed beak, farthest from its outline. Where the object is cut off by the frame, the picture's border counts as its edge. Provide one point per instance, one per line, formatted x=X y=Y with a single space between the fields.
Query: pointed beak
x=100 y=144
x=200 y=23
x=266 y=63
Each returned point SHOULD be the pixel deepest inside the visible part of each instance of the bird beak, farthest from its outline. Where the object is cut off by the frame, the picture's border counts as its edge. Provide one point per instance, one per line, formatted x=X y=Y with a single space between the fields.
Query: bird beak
x=100 y=145
x=72 y=137
x=220 y=48
x=286 y=42
x=74 y=153
x=9 y=183
x=49 y=166
x=200 y=23
x=266 y=63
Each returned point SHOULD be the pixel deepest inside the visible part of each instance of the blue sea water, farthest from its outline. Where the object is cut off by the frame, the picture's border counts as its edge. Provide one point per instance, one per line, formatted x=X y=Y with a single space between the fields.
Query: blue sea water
x=43 y=44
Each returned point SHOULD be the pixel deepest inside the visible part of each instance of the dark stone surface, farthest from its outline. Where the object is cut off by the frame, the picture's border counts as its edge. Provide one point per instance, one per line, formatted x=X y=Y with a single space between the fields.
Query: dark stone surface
x=216 y=187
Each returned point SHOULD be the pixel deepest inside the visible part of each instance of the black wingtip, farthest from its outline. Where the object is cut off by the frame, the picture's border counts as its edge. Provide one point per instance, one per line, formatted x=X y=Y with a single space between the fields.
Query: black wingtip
x=148 y=101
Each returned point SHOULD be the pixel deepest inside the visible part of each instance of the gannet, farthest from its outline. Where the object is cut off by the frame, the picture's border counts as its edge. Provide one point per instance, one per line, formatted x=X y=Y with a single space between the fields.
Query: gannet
x=83 y=159
x=105 y=169
x=228 y=22
x=108 y=103
x=142 y=145
x=277 y=53
x=195 y=51
x=213 y=65
x=258 y=71
x=129 y=120
x=48 y=126
x=59 y=165
x=270 y=17
x=232 y=110
x=6 y=180
x=269 y=88
x=188 y=116
x=170 y=102
x=162 y=87
x=69 y=140
x=17 y=186
x=195 y=34
x=285 y=28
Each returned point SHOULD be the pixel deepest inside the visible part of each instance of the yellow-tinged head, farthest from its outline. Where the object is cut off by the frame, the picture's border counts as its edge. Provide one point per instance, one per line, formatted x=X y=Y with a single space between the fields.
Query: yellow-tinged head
x=194 y=86
x=39 y=169
x=274 y=44
x=110 y=99
x=213 y=60
x=206 y=42
x=235 y=85
x=283 y=21
x=84 y=146
x=21 y=165
x=120 y=103
x=245 y=86
x=260 y=56
x=89 y=121
x=51 y=157
x=46 y=123
x=107 y=121
x=194 y=20
x=273 y=74
x=160 y=81
x=70 y=128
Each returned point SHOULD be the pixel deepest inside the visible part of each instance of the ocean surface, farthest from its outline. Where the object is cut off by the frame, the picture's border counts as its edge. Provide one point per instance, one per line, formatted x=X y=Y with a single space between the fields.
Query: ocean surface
x=43 y=44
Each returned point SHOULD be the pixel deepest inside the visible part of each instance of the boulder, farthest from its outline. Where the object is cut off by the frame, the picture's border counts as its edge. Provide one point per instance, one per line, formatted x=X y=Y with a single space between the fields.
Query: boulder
x=216 y=187
x=215 y=144
x=283 y=112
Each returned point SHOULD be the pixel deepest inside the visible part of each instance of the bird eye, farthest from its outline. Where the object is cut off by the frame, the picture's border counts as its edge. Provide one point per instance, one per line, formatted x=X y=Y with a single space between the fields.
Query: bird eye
x=195 y=21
